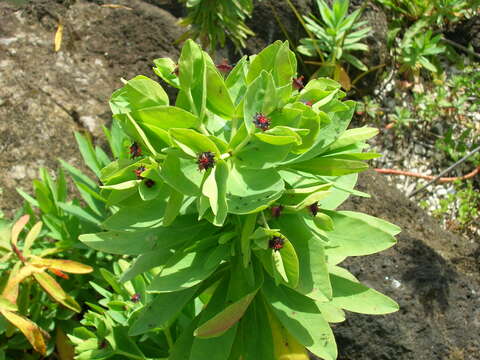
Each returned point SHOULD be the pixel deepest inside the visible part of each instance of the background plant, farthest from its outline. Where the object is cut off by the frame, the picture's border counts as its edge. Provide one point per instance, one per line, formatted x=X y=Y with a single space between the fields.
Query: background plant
x=212 y=22
x=228 y=203
x=336 y=35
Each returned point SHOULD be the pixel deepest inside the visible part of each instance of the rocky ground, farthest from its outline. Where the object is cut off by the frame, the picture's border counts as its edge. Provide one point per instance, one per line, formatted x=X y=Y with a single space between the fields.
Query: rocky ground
x=46 y=95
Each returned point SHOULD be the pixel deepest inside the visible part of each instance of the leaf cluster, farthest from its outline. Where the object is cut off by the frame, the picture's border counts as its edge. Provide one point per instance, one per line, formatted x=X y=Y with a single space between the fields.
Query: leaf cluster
x=227 y=205
x=212 y=22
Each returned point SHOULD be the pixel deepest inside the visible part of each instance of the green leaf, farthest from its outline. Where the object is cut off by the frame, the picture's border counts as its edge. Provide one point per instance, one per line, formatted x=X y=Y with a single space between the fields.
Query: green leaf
x=313 y=281
x=80 y=213
x=330 y=166
x=352 y=136
x=138 y=93
x=252 y=190
x=88 y=153
x=165 y=69
x=161 y=311
x=191 y=65
x=215 y=189
x=359 y=234
x=175 y=202
x=218 y=96
x=263 y=61
x=282 y=135
x=355 y=297
x=323 y=221
x=122 y=242
x=261 y=98
x=181 y=173
x=302 y=318
x=188 y=272
x=285 y=65
x=148 y=214
x=165 y=117
x=192 y=142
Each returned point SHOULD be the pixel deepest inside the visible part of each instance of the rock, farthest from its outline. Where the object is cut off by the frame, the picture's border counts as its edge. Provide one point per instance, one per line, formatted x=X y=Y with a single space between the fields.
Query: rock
x=431 y=273
x=47 y=95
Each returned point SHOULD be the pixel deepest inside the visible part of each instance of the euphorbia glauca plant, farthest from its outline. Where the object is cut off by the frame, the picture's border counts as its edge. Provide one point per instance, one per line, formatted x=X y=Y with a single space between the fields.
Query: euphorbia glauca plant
x=233 y=216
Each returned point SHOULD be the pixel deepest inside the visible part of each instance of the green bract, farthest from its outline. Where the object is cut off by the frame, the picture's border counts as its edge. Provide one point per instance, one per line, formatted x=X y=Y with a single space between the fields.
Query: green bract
x=228 y=202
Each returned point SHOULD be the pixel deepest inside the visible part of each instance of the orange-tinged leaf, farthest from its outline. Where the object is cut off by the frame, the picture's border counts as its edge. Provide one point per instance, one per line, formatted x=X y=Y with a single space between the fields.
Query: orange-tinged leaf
x=343 y=78
x=18 y=227
x=31 y=236
x=64 y=347
x=225 y=319
x=7 y=305
x=34 y=334
x=59 y=273
x=53 y=288
x=69 y=266
x=10 y=291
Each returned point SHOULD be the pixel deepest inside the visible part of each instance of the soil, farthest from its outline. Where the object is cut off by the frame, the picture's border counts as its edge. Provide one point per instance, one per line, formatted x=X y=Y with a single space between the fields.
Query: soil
x=46 y=95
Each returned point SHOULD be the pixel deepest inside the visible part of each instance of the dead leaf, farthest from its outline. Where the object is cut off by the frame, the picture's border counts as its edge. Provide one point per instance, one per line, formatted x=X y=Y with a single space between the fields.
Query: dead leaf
x=58 y=37
x=34 y=334
x=342 y=77
x=116 y=6
x=16 y=277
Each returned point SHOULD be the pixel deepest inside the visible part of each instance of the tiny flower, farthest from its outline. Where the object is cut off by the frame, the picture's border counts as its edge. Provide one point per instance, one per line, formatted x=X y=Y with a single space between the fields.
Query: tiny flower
x=135 y=150
x=261 y=121
x=297 y=83
x=308 y=102
x=138 y=171
x=276 y=211
x=276 y=243
x=224 y=66
x=135 y=298
x=206 y=160
x=313 y=208
x=149 y=183
x=59 y=273
x=103 y=344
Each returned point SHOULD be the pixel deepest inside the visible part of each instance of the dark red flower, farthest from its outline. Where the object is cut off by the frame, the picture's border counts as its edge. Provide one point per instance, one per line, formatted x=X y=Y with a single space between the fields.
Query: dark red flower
x=149 y=183
x=224 y=66
x=135 y=150
x=261 y=121
x=297 y=83
x=135 y=298
x=276 y=211
x=276 y=243
x=314 y=208
x=138 y=171
x=206 y=160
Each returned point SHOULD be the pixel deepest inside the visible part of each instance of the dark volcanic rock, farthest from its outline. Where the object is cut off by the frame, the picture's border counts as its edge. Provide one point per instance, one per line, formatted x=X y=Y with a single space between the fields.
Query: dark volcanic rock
x=432 y=274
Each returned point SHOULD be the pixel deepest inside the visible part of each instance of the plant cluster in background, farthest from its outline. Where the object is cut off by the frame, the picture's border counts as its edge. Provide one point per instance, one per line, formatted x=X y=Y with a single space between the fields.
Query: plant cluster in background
x=334 y=38
x=212 y=22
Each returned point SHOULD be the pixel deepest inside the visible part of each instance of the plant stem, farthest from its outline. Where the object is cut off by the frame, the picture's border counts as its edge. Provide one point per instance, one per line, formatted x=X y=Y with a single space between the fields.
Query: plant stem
x=168 y=335
x=242 y=144
x=264 y=220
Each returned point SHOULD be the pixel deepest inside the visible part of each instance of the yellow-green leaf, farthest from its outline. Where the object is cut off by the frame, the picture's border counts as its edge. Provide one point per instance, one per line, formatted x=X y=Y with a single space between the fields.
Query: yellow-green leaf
x=32 y=332
x=68 y=266
x=31 y=236
x=54 y=289
x=18 y=227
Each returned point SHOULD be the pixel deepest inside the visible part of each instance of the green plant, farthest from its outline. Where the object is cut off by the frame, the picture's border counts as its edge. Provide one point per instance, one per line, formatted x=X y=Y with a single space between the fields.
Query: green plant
x=213 y=21
x=401 y=118
x=417 y=49
x=24 y=267
x=337 y=35
x=227 y=203
x=65 y=220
